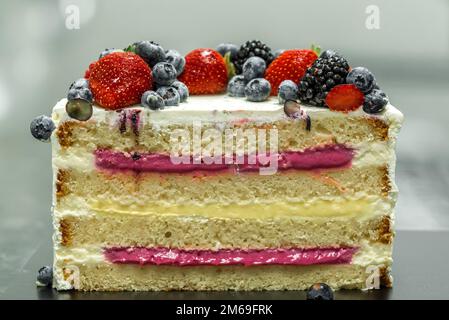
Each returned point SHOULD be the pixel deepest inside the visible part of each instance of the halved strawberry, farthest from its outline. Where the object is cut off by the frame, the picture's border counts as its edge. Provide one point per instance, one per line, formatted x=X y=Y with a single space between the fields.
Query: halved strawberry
x=344 y=98
x=290 y=65
x=119 y=79
x=205 y=72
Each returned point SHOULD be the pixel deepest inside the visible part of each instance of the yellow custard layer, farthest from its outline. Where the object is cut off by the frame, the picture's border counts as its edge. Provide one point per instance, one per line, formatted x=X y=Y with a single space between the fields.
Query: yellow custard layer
x=363 y=207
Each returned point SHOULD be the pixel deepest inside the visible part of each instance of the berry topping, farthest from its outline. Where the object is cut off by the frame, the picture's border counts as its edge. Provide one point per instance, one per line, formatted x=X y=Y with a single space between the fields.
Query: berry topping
x=362 y=78
x=182 y=90
x=170 y=95
x=176 y=59
x=41 y=128
x=79 y=109
x=105 y=52
x=253 y=68
x=45 y=276
x=251 y=49
x=293 y=110
x=344 y=98
x=288 y=90
x=257 y=90
x=375 y=101
x=291 y=65
x=236 y=86
x=329 y=70
x=278 y=52
x=149 y=51
x=205 y=72
x=224 y=48
x=320 y=291
x=152 y=100
x=80 y=90
x=164 y=73
x=119 y=79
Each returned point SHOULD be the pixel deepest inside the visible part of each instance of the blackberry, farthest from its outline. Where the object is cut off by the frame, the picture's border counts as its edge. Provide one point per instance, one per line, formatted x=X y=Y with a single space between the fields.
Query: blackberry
x=250 y=49
x=326 y=72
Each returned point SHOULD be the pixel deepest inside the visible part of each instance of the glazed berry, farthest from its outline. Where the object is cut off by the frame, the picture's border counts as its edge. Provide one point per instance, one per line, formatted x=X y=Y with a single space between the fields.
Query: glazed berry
x=224 y=48
x=251 y=49
x=362 y=78
x=42 y=127
x=176 y=59
x=45 y=276
x=79 y=109
x=278 y=52
x=164 y=73
x=375 y=101
x=257 y=90
x=253 y=68
x=152 y=100
x=205 y=72
x=170 y=95
x=288 y=90
x=236 y=86
x=119 y=79
x=328 y=71
x=150 y=51
x=320 y=291
x=105 y=52
x=182 y=90
x=291 y=65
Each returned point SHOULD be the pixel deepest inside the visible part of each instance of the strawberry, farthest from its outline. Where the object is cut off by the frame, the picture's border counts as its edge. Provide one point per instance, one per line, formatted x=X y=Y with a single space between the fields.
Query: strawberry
x=204 y=72
x=344 y=98
x=290 y=65
x=119 y=79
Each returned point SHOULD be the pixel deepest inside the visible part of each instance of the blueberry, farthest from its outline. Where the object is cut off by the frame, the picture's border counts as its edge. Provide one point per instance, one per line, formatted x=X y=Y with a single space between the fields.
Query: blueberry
x=278 y=52
x=257 y=90
x=375 y=101
x=79 y=109
x=223 y=48
x=288 y=90
x=79 y=89
x=236 y=86
x=170 y=95
x=362 y=78
x=79 y=84
x=152 y=100
x=105 y=52
x=254 y=67
x=45 y=276
x=182 y=90
x=41 y=128
x=320 y=291
x=164 y=73
x=176 y=59
x=150 y=51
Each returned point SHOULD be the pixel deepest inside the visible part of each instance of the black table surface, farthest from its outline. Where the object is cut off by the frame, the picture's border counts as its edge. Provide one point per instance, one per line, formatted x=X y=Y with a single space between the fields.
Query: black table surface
x=420 y=268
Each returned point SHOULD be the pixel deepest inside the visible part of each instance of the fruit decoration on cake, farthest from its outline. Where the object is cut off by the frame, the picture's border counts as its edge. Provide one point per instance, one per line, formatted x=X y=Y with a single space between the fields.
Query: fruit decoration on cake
x=205 y=72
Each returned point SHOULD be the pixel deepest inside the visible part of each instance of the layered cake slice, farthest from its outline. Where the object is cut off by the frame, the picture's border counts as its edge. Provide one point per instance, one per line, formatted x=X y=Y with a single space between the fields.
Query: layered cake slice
x=237 y=191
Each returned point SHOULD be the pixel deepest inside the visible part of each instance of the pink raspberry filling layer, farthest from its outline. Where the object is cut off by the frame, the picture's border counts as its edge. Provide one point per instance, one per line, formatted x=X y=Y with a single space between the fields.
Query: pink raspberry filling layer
x=225 y=257
x=324 y=157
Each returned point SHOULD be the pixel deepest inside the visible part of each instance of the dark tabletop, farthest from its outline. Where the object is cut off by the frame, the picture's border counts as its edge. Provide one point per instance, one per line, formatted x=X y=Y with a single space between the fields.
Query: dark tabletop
x=419 y=271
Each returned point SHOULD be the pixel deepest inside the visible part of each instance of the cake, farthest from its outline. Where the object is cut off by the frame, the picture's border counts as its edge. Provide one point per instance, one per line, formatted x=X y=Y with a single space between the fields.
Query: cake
x=236 y=190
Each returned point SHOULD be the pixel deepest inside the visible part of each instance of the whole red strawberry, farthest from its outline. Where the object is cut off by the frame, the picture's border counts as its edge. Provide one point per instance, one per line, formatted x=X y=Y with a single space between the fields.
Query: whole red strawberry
x=290 y=65
x=344 y=98
x=119 y=79
x=205 y=72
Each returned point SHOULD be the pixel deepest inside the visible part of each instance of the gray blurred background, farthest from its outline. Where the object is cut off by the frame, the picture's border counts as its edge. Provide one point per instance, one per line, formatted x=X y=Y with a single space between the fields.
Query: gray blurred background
x=40 y=56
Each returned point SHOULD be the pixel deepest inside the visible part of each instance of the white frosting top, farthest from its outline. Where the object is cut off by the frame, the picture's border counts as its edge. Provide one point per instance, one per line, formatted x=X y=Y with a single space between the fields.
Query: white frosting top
x=219 y=108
